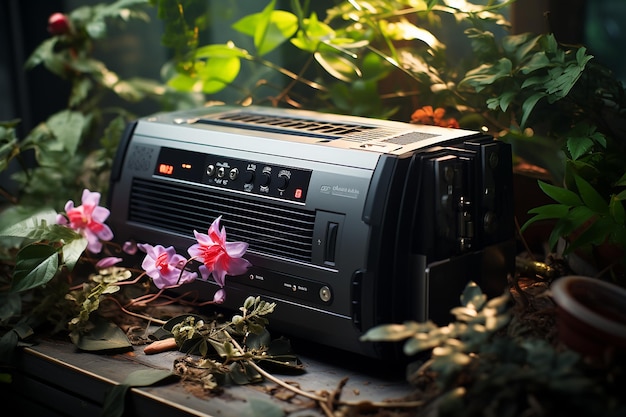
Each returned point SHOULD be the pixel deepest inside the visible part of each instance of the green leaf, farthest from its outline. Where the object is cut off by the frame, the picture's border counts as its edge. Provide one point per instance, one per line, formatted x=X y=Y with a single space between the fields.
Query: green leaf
x=394 y=332
x=35 y=265
x=67 y=127
x=616 y=209
x=115 y=399
x=147 y=377
x=243 y=374
x=535 y=81
x=519 y=45
x=415 y=345
x=579 y=146
x=575 y=219
x=538 y=61
x=97 y=29
x=590 y=196
x=595 y=234
x=309 y=37
x=220 y=51
x=216 y=66
x=218 y=73
x=73 y=250
x=42 y=53
x=487 y=74
x=560 y=194
x=338 y=66
x=473 y=296
x=261 y=408
x=183 y=82
x=505 y=99
x=103 y=337
x=546 y=212
x=529 y=105
x=270 y=28
x=23 y=227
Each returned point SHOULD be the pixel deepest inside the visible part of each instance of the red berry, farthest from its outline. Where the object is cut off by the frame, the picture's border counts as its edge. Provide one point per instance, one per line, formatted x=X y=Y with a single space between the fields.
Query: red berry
x=58 y=24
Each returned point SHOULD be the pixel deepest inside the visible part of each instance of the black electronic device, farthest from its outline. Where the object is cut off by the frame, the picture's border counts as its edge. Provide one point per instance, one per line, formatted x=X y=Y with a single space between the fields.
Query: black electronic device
x=351 y=222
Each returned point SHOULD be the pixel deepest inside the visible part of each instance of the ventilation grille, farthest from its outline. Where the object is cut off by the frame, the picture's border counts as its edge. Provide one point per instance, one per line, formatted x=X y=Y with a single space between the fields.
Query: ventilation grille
x=322 y=129
x=267 y=228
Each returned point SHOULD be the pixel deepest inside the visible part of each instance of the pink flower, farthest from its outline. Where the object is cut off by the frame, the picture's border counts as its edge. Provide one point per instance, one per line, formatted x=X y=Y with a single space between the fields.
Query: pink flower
x=88 y=219
x=219 y=296
x=129 y=247
x=164 y=266
x=108 y=262
x=219 y=257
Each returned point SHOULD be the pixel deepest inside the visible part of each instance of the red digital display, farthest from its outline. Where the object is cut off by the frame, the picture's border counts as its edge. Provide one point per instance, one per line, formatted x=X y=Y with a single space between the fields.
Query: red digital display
x=166 y=169
x=298 y=193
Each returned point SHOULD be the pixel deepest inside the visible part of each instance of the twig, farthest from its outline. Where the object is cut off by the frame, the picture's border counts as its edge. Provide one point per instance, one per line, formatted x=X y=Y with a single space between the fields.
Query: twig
x=141 y=316
x=325 y=402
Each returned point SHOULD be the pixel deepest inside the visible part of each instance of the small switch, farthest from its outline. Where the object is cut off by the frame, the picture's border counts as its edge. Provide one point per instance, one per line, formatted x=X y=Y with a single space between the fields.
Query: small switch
x=331 y=242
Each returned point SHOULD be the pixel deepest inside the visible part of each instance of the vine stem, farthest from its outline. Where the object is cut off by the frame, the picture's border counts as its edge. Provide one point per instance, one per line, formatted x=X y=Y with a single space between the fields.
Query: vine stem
x=325 y=402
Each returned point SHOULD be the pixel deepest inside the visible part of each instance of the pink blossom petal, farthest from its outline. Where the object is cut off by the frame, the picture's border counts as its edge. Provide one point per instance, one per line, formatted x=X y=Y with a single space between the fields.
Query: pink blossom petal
x=165 y=266
x=219 y=258
x=90 y=198
x=204 y=273
x=236 y=249
x=219 y=296
x=108 y=262
x=88 y=219
x=129 y=247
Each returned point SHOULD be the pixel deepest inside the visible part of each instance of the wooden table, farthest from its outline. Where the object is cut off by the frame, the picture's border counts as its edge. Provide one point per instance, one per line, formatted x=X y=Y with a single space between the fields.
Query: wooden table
x=53 y=379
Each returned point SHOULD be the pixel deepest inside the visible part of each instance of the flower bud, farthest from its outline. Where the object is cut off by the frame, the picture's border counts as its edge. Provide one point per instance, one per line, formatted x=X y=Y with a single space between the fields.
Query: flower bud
x=58 y=24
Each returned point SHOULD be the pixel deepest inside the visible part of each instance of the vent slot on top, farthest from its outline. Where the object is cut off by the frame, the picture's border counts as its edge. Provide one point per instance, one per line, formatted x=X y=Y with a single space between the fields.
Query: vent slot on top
x=322 y=128
x=267 y=228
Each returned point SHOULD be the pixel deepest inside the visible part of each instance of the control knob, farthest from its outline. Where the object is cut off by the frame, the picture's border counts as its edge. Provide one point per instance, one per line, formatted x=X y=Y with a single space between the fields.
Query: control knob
x=283 y=182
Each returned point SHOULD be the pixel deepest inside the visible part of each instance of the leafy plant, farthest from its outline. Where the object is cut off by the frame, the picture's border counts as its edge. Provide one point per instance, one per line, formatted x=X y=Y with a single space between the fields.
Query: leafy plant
x=480 y=366
x=73 y=149
x=345 y=62
x=228 y=351
x=583 y=216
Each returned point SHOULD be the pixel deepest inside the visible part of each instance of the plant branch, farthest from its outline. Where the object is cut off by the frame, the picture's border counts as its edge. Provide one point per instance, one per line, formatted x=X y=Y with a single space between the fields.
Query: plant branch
x=325 y=402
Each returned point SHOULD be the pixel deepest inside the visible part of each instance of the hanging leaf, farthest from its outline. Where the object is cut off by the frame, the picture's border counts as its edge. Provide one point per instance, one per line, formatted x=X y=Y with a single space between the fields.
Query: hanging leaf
x=115 y=400
x=35 y=265
x=529 y=105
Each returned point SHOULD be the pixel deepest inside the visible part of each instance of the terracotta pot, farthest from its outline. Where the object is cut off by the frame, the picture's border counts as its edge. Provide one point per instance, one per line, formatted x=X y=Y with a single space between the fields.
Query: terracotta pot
x=591 y=314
